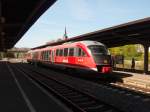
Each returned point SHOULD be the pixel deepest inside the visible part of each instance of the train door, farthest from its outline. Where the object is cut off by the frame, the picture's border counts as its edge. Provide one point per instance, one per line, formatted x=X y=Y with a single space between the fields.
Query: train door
x=65 y=55
x=49 y=56
x=71 y=56
x=81 y=57
x=53 y=57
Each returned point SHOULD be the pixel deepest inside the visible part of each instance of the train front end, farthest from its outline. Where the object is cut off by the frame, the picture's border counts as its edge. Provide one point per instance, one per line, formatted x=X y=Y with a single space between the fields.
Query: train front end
x=101 y=57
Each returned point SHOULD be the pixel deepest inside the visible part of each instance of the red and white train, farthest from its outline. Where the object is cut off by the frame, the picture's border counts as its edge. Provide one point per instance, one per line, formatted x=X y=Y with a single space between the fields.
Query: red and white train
x=88 y=55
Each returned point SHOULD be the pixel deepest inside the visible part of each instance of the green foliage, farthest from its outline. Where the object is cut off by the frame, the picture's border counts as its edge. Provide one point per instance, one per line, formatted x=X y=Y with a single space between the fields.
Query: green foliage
x=128 y=51
x=10 y=55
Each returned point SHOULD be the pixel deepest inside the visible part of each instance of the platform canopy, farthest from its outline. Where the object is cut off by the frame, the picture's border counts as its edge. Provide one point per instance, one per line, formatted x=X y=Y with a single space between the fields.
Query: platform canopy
x=17 y=16
x=135 y=32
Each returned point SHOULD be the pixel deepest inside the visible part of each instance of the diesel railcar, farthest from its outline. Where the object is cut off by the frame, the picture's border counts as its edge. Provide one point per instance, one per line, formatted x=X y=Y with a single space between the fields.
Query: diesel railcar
x=88 y=55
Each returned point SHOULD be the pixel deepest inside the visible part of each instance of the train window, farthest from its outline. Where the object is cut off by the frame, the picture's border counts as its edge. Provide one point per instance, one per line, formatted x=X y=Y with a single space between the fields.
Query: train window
x=41 y=56
x=47 y=56
x=97 y=49
x=81 y=52
x=61 y=52
x=65 y=51
x=71 y=52
x=57 y=52
x=49 y=52
x=44 y=55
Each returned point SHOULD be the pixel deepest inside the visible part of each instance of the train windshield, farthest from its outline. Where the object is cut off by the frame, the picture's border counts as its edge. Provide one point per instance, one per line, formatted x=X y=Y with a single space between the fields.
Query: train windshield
x=98 y=50
x=100 y=54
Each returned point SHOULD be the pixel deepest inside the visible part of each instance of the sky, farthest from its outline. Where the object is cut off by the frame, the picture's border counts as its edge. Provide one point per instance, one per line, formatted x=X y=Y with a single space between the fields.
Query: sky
x=80 y=17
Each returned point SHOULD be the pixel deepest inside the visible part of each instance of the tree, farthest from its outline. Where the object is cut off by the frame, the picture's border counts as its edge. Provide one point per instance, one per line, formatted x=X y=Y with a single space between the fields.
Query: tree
x=10 y=55
x=129 y=51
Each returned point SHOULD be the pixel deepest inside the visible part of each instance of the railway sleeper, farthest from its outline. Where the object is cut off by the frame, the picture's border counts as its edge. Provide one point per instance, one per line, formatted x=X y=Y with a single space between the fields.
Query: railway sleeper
x=78 y=96
x=98 y=108
x=65 y=91
x=110 y=110
x=69 y=93
x=87 y=104
x=83 y=99
x=62 y=87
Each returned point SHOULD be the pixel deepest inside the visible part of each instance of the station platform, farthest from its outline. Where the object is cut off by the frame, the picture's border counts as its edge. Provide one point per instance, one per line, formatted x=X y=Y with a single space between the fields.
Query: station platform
x=19 y=94
x=136 y=79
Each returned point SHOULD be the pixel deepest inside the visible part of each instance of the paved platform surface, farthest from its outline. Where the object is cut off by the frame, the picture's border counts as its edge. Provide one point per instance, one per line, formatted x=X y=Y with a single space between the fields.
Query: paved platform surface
x=19 y=94
x=140 y=80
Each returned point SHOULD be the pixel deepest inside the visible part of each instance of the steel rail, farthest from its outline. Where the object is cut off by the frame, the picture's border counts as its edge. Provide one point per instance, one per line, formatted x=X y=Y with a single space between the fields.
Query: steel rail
x=79 y=101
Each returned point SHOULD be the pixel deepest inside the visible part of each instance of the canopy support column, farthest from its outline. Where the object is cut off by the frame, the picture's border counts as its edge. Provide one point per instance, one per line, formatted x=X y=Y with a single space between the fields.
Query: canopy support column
x=146 y=48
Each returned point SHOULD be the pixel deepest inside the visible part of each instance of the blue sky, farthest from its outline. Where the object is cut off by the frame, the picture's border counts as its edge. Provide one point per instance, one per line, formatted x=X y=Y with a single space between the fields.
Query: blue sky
x=82 y=16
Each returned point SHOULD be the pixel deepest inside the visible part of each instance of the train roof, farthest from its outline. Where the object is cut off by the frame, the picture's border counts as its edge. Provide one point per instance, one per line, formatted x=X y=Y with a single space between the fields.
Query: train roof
x=85 y=42
x=89 y=42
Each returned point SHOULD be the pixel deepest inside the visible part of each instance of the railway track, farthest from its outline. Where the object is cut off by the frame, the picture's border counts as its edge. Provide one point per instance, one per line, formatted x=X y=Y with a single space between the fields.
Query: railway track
x=123 y=88
x=128 y=89
x=114 y=84
x=78 y=101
